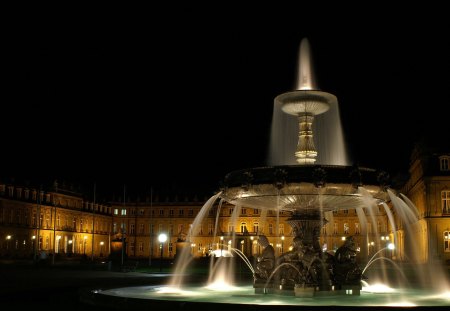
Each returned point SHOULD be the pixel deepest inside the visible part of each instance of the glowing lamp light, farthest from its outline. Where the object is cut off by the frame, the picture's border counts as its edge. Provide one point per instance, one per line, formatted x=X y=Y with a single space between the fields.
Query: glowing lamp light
x=162 y=237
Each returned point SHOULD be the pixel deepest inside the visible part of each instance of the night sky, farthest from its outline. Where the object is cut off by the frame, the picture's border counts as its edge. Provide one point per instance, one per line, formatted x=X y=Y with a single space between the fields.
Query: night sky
x=173 y=100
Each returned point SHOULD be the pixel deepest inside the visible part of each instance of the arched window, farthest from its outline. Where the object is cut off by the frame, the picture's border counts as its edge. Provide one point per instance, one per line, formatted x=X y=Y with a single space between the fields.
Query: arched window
x=256 y=227
x=243 y=227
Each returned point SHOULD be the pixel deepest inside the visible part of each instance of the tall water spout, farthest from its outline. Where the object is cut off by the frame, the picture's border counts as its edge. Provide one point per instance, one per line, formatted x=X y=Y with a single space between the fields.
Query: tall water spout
x=300 y=113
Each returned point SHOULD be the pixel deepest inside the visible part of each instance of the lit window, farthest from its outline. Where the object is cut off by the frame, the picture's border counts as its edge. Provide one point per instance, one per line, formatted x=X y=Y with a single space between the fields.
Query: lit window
x=447 y=241
x=124 y=212
x=256 y=227
x=243 y=227
x=116 y=211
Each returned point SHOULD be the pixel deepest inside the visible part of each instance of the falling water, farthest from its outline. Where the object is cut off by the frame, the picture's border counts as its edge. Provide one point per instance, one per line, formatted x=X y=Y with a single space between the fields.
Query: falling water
x=328 y=135
x=185 y=257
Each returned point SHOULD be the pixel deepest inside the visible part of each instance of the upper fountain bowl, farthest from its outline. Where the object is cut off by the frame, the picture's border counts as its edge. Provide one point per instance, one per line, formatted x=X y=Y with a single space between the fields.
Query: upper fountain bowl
x=305 y=101
x=305 y=187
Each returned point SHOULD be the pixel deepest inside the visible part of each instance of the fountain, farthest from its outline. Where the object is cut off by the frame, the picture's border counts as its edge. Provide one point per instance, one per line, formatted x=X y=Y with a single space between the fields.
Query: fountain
x=309 y=192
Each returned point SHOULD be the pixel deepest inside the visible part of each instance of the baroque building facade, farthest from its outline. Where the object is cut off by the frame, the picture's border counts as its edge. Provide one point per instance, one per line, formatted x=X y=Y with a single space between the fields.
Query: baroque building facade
x=63 y=223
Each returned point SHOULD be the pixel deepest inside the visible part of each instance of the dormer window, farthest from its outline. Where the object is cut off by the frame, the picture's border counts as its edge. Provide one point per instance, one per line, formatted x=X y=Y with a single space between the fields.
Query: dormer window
x=444 y=163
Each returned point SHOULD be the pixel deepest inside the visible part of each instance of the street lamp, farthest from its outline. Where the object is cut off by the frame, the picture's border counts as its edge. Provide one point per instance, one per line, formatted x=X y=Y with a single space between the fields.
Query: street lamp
x=282 y=244
x=162 y=237
x=8 y=237
x=221 y=246
x=101 y=248
x=33 y=241
x=193 y=247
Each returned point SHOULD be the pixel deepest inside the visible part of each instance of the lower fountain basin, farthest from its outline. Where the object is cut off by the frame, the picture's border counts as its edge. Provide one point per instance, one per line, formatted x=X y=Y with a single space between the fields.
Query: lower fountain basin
x=244 y=298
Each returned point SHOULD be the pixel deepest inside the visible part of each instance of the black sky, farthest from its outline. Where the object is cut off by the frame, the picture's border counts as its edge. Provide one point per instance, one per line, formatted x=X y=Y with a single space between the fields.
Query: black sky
x=175 y=99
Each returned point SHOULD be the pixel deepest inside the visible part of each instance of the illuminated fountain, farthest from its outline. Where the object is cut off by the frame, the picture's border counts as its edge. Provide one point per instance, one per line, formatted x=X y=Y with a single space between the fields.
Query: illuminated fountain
x=309 y=192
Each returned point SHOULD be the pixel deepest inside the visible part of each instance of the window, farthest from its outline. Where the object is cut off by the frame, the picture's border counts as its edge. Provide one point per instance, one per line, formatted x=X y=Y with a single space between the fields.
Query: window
x=141 y=247
x=335 y=228
x=171 y=229
x=141 y=228
x=210 y=229
x=346 y=228
x=445 y=194
x=181 y=212
x=243 y=211
x=447 y=241
x=255 y=211
x=141 y=212
x=161 y=212
x=270 y=228
x=124 y=212
x=171 y=213
x=230 y=228
x=116 y=211
x=256 y=227
x=281 y=229
x=243 y=227
x=230 y=211
x=444 y=163
x=191 y=212
x=131 y=228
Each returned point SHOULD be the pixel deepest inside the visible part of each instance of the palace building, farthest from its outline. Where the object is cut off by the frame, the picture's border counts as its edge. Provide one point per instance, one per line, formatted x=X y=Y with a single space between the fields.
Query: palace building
x=61 y=222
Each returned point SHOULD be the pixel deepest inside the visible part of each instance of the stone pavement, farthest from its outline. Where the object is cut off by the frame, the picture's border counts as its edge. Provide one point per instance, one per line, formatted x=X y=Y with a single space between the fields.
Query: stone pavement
x=59 y=287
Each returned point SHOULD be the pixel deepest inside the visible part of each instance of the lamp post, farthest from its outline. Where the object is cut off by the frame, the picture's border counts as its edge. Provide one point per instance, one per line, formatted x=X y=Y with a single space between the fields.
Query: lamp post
x=33 y=241
x=161 y=238
x=221 y=246
x=8 y=238
x=282 y=244
x=193 y=247
x=101 y=248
